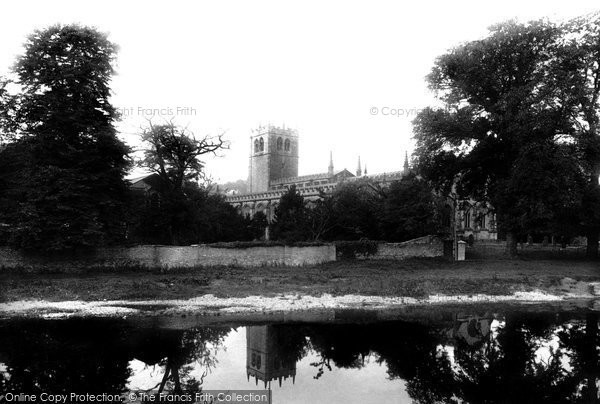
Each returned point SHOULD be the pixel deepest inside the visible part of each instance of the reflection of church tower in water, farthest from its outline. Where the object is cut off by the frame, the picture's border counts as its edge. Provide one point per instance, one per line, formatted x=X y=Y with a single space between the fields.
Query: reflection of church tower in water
x=265 y=360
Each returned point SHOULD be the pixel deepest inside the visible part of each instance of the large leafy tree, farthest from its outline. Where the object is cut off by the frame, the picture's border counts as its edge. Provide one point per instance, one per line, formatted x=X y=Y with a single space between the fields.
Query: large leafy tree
x=503 y=135
x=290 y=223
x=193 y=216
x=187 y=212
x=71 y=190
x=356 y=207
x=576 y=73
x=410 y=210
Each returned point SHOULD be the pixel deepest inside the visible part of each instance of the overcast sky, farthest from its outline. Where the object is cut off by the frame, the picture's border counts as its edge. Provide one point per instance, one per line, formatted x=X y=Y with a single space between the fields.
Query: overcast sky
x=320 y=67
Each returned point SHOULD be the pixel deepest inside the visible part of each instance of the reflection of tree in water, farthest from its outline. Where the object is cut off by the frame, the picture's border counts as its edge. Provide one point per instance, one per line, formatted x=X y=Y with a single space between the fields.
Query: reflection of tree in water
x=508 y=368
x=347 y=345
x=581 y=343
x=505 y=367
x=82 y=356
x=92 y=356
x=180 y=352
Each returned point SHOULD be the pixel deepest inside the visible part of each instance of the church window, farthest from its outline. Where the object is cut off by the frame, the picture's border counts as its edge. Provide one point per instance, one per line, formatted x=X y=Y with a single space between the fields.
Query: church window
x=279 y=143
x=287 y=145
x=256 y=146
x=262 y=144
x=467 y=220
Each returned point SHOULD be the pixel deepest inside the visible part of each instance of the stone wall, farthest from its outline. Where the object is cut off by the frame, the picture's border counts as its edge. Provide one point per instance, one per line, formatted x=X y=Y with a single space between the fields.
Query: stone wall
x=422 y=247
x=428 y=246
x=166 y=257
x=174 y=257
x=487 y=250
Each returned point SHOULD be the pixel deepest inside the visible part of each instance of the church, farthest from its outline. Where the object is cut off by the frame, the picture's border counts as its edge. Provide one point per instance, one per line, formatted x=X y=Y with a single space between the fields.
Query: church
x=273 y=169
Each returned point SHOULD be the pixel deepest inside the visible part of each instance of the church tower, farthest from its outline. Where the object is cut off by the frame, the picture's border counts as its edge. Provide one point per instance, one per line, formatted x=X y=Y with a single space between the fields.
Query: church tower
x=273 y=155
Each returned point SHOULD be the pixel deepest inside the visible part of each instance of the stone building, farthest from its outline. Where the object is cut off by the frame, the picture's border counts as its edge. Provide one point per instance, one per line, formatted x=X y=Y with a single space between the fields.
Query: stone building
x=273 y=168
x=475 y=220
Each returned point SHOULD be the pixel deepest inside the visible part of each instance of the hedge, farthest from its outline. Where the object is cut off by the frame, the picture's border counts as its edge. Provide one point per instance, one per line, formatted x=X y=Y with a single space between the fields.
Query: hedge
x=352 y=249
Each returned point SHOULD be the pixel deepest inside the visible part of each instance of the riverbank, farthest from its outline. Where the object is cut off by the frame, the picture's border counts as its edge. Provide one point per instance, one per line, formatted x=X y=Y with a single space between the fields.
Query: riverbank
x=342 y=284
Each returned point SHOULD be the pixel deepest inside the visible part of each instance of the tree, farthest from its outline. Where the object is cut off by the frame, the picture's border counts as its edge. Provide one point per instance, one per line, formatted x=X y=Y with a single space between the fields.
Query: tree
x=174 y=153
x=503 y=119
x=356 y=206
x=195 y=215
x=577 y=75
x=290 y=223
x=410 y=210
x=257 y=225
x=216 y=220
x=187 y=212
x=72 y=191
x=320 y=218
x=8 y=126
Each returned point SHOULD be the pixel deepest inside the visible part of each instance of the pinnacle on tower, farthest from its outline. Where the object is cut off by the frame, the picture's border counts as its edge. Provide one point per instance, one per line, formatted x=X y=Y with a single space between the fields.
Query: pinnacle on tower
x=365 y=169
x=406 y=168
x=330 y=169
x=358 y=169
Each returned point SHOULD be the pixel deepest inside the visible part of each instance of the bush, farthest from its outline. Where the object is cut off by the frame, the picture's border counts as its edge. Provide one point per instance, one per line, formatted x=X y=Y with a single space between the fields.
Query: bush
x=352 y=249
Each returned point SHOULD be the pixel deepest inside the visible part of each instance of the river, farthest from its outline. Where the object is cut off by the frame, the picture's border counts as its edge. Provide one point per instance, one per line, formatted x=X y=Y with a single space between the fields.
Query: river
x=471 y=354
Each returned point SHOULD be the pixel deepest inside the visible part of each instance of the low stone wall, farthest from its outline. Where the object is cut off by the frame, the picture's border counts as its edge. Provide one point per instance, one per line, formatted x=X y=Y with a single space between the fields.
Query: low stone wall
x=428 y=246
x=175 y=257
x=497 y=250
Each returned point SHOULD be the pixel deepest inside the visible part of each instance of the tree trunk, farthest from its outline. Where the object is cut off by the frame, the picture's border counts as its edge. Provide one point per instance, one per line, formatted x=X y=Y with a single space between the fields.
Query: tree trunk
x=591 y=251
x=511 y=244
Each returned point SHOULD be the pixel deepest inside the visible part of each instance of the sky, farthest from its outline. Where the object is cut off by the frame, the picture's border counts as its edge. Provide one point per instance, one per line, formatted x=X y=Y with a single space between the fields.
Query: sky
x=348 y=75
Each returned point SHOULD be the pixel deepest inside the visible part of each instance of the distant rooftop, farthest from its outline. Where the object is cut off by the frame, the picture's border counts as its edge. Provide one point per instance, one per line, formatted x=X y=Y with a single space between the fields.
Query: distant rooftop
x=310 y=177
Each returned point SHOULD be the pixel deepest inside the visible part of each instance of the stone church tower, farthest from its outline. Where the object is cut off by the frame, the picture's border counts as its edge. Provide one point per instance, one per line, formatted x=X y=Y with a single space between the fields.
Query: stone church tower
x=273 y=155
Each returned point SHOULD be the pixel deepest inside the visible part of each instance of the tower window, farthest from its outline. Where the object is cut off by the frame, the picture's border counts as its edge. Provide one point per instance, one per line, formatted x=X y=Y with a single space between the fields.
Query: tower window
x=279 y=143
x=262 y=144
x=287 y=145
x=256 y=146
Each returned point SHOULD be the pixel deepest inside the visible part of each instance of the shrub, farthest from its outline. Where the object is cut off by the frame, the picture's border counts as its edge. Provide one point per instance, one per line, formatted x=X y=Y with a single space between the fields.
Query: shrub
x=353 y=249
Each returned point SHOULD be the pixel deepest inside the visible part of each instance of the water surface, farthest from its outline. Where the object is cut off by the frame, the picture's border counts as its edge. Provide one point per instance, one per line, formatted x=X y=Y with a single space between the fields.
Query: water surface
x=470 y=356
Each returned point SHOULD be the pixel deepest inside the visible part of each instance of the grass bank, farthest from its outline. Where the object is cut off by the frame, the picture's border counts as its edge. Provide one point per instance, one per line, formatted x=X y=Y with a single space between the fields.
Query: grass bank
x=410 y=278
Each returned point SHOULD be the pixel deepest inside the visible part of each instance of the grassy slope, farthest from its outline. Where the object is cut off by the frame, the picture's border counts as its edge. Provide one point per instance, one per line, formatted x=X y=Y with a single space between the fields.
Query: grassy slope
x=416 y=277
